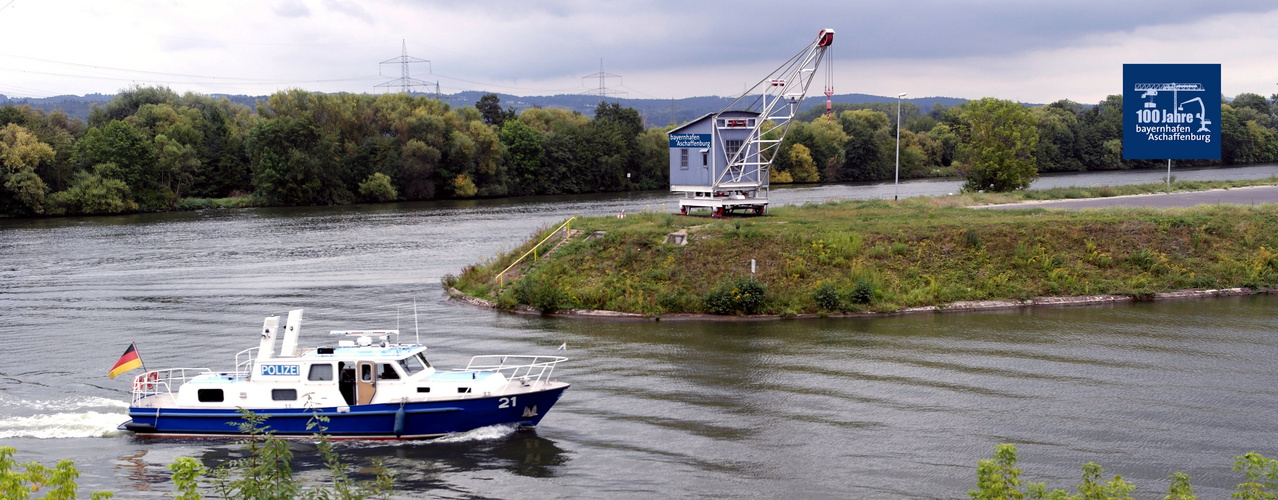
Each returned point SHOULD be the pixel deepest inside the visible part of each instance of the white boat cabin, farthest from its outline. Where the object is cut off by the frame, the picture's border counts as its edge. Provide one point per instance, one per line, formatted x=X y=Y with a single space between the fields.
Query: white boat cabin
x=367 y=370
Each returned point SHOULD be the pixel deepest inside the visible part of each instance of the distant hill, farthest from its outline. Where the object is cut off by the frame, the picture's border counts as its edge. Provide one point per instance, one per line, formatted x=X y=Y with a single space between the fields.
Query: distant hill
x=656 y=112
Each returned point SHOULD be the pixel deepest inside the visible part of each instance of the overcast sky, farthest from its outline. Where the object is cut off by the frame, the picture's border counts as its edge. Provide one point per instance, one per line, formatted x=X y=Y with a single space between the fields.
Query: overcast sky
x=1011 y=49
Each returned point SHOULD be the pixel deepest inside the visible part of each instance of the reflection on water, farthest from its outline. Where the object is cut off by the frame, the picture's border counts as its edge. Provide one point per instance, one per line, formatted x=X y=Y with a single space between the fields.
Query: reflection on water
x=894 y=407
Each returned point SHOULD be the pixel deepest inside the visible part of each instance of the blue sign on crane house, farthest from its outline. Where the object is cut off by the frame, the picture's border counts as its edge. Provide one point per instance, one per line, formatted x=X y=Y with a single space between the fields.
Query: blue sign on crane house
x=1171 y=111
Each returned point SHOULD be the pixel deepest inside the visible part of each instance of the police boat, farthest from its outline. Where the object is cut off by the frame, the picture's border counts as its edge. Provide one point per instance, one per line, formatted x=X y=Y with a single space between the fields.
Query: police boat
x=365 y=387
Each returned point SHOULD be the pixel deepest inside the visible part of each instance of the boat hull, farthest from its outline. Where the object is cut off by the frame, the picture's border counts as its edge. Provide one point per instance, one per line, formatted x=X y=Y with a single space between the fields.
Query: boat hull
x=420 y=420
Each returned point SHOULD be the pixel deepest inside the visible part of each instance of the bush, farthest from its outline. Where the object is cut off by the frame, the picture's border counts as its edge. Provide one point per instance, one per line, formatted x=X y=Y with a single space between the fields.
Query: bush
x=377 y=187
x=541 y=294
x=449 y=281
x=737 y=296
x=863 y=292
x=826 y=297
x=93 y=193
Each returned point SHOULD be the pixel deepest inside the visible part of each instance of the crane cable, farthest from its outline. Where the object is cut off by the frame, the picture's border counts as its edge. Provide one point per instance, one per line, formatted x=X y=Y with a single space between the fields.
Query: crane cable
x=829 y=84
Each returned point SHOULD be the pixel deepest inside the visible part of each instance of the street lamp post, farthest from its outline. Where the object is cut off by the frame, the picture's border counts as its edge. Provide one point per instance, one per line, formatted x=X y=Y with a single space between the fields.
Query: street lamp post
x=896 y=181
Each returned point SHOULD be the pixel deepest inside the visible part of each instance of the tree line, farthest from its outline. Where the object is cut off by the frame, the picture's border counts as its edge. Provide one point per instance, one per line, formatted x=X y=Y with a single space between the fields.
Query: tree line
x=996 y=143
x=151 y=149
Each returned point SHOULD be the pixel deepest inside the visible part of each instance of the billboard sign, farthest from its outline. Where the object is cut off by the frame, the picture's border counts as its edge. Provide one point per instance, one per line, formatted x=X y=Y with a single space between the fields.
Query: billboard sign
x=1171 y=111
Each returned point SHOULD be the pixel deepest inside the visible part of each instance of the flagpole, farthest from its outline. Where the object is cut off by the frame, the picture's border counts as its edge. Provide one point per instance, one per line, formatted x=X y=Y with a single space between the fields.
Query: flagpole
x=135 y=351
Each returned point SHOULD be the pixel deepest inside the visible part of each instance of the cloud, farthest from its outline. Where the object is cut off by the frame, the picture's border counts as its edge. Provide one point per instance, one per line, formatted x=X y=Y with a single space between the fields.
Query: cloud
x=292 y=9
x=350 y=9
x=1030 y=51
x=1091 y=67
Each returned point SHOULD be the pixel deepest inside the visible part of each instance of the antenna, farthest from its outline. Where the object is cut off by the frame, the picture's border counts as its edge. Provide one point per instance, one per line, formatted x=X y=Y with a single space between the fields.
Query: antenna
x=416 y=331
x=405 y=82
x=603 y=92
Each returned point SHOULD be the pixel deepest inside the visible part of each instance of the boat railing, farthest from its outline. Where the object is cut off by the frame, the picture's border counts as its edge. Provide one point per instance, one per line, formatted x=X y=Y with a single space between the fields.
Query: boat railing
x=244 y=360
x=526 y=369
x=159 y=382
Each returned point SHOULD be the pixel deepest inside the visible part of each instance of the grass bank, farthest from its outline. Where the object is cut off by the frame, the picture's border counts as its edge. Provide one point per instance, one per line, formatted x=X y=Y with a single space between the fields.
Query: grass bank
x=882 y=256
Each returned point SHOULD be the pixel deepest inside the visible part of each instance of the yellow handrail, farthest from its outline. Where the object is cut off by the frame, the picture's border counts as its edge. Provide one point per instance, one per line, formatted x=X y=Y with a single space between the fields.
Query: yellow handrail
x=501 y=277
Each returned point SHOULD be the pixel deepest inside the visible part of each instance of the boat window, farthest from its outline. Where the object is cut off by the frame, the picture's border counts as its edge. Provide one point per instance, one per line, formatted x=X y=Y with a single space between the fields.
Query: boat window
x=412 y=364
x=323 y=371
x=209 y=395
x=366 y=372
x=423 y=358
x=283 y=394
x=387 y=371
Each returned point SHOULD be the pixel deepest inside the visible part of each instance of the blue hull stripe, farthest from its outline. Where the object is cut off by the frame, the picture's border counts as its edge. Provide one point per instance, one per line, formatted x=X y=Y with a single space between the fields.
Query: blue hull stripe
x=430 y=419
x=146 y=412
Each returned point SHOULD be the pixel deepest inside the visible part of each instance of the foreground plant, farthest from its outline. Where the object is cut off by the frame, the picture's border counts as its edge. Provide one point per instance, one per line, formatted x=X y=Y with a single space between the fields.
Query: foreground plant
x=265 y=473
x=999 y=479
x=59 y=481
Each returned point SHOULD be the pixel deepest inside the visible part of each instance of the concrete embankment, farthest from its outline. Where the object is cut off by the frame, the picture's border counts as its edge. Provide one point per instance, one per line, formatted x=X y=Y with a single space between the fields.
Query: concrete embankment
x=953 y=307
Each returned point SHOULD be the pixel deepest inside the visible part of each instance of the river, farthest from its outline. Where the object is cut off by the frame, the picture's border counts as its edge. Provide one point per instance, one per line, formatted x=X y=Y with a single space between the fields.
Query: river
x=897 y=407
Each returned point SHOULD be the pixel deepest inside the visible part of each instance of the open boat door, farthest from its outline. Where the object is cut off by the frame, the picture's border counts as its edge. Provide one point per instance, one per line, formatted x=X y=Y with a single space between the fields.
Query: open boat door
x=366 y=386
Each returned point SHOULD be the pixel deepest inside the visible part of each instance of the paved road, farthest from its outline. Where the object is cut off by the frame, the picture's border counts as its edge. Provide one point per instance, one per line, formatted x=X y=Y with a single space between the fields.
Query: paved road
x=1238 y=196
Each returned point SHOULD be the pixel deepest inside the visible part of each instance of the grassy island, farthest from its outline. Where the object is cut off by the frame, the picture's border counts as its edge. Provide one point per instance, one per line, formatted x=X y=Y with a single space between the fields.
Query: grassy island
x=880 y=256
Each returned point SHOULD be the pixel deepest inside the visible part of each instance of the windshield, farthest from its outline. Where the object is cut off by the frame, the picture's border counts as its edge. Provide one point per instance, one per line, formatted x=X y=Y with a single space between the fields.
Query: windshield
x=413 y=364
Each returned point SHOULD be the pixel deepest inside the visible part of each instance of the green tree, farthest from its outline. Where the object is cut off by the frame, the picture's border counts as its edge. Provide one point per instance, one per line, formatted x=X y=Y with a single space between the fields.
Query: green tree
x=1098 y=125
x=548 y=120
x=1235 y=145
x=177 y=163
x=524 y=157
x=132 y=153
x=999 y=140
x=416 y=169
x=20 y=153
x=864 y=157
x=802 y=168
x=490 y=107
x=294 y=164
x=463 y=187
x=652 y=160
x=128 y=101
x=1057 y=145
x=54 y=128
x=1256 y=102
x=946 y=144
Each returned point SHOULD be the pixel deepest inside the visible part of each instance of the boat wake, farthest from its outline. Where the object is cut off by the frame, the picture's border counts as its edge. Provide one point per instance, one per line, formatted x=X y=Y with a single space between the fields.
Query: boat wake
x=489 y=433
x=75 y=418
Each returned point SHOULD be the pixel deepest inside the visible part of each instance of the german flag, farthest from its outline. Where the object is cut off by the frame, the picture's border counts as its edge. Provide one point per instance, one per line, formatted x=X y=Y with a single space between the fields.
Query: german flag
x=130 y=360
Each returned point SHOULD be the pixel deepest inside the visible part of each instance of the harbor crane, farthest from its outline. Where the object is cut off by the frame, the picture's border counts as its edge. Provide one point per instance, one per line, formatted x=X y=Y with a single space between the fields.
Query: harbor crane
x=738 y=178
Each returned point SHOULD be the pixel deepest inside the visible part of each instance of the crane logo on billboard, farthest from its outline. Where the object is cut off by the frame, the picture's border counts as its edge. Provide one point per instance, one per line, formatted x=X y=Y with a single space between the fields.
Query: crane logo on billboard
x=1171 y=111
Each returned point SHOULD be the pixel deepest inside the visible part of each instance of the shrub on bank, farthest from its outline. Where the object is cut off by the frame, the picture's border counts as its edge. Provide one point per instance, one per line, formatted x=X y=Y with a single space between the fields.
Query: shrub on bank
x=737 y=296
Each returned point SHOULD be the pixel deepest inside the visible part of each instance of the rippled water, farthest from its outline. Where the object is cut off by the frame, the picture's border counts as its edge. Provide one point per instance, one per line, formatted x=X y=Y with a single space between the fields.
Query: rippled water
x=897 y=407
